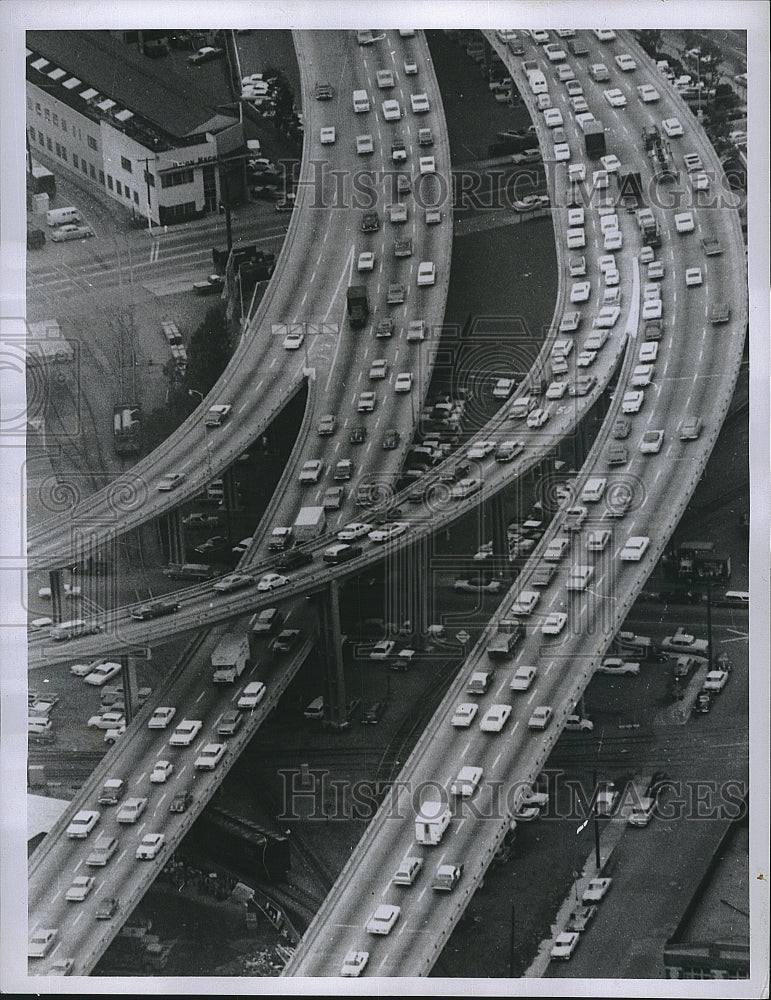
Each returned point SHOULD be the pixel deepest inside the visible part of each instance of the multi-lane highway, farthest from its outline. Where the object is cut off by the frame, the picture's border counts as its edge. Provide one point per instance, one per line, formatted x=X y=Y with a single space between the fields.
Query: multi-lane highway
x=689 y=371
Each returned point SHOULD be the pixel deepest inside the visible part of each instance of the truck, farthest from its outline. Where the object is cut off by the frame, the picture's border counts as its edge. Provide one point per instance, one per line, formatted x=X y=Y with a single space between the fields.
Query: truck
x=431 y=821
x=640 y=646
x=594 y=139
x=280 y=539
x=309 y=523
x=649 y=228
x=127 y=428
x=229 y=657
x=358 y=305
x=502 y=645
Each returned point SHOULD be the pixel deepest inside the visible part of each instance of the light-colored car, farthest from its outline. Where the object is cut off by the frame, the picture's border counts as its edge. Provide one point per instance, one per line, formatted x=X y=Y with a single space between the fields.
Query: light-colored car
x=576 y=239
x=611 y=163
x=162 y=770
x=580 y=291
x=293 y=341
x=354 y=530
x=672 y=127
x=82 y=823
x=564 y=945
x=107 y=720
x=648 y=93
x=366 y=261
x=523 y=678
x=427 y=165
x=41 y=941
x=378 y=369
x=354 y=963
x=553 y=118
x=613 y=240
x=391 y=111
x=682 y=642
x=234 y=581
x=625 y=62
x=252 y=695
x=383 y=919
x=586 y=358
x=311 y=470
x=561 y=152
x=80 y=888
x=635 y=548
x=426 y=273
x=651 y=442
x=597 y=540
x=185 y=732
x=327 y=135
x=693 y=277
x=388 y=531
x=632 y=401
x=364 y=145
x=170 y=481
x=715 y=680
x=556 y=390
x=420 y=103
x=642 y=375
x=577 y=724
x=690 y=429
x=131 y=810
x=649 y=352
x=554 y=623
x=103 y=673
x=556 y=548
x=607 y=317
x=403 y=382
x=70 y=232
x=615 y=97
x=684 y=222
x=271 y=581
x=616 y=665
x=150 y=846
x=210 y=756
x=465 y=487
x=464 y=714
x=384 y=78
x=382 y=649
x=539 y=416
x=540 y=718
x=596 y=890
x=495 y=718
x=366 y=402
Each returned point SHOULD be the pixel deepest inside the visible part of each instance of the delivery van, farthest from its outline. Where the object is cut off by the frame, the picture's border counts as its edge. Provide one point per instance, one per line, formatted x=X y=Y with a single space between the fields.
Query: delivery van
x=61 y=216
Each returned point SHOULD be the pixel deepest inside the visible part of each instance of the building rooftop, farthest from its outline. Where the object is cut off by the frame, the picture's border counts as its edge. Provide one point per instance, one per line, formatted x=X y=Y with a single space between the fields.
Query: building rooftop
x=114 y=80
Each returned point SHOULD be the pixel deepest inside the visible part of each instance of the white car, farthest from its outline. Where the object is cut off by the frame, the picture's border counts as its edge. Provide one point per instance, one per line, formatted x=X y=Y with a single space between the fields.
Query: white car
x=403 y=382
x=540 y=718
x=391 y=111
x=580 y=291
x=642 y=375
x=410 y=67
x=252 y=695
x=354 y=963
x=648 y=93
x=597 y=540
x=465 y=487
x=693 y=277
x=367 y=402
x=271 y=581
x=327 y=135
x=576 y=239
x=163 y=769
x=652 y=309
x=613 y=240
x=554 y=623
x=185 y=732
x=392 y=530
x=626 y=63
x=715 y=680
x=556 y=390
x=700 y=182
x=210 y=756
x=523 y=678
x=170 y=481
x=80 y=888
x=383 y=919
x=426 y=273
x=495 y=718
x=635 y=548
x=596 y=340
x=427 y=165
x=684 y=222
x=539 y=416
x=464 y=714
x=83 y=823
x=607 y=317
x=150 y=846
x=385 y=79
x=553 y=117
x=615 y=98
x=611 y=163
x=293 y=341
x=382 y=649
x=554 y=53
x=131 y=810
x=419 y=103
x=311 y=470
x=651 y=442
x=556 y=548
x=672 y=127
x=561 y=152
x=366 y=261
x=103 y=673
x=648 y=351
x=606 y=263
x=564 y=945
x=632 y=401
x=364 y=145
x=481 y=449
x=354 y=530
x=615 y=665
x=596 y=890
x=105 y=721
x=577 y=172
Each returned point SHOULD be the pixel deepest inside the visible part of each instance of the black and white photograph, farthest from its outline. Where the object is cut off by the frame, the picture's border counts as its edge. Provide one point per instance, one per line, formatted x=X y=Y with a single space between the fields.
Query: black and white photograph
x=384 y=437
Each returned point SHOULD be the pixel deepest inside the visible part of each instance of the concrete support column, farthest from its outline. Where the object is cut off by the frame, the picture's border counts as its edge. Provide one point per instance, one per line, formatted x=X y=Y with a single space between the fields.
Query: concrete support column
x=500 y=535
x=420 y=588
x=128 y=673
x=331 y=647
x=57 y=595
x=174 y=542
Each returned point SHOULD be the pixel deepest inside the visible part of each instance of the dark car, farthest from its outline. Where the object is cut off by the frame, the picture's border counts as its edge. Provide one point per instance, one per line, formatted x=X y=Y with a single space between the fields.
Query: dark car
x=291 y=560
x=323 y=92
x=181 y=801
x=373 y=712
x=621 y=429
x=155 y=610
x=389 y=514
x=391 y=439
x=370 y=222
x=107 y=908
x=229 y=723
x=358 y=434
x=703 y=702
x=213 y=544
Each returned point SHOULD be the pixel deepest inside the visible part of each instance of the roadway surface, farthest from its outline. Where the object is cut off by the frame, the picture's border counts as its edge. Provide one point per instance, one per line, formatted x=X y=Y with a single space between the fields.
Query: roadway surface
x=693 y=376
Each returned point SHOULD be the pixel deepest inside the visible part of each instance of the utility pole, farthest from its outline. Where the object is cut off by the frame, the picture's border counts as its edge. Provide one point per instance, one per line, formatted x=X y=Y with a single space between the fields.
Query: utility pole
x=147 y=160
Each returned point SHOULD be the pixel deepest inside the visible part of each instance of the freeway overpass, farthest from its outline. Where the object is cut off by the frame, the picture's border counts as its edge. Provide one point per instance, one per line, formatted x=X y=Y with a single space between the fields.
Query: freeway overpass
x=695 y=374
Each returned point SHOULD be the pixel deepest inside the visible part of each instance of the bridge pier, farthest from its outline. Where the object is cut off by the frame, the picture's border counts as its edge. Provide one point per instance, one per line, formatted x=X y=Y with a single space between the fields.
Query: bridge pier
x=331 y=648
x=175 y=537
x=57 y=595
x=128 y=674
x=500 y=533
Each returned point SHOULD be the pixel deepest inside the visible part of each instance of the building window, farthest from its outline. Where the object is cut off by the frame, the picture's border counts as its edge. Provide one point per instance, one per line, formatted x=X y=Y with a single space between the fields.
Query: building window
x=84 y=166
x=119 y=187
x=109 y=182
x=41 y=139
x=136 y=198
x=64 y=154
x=127 y=192
x=176 y=177
x=58 y=149
x=91 y=142
x=101 y=177
x=49 y=144
x=37 y=109
x=56 y=119
x=91 y=171
x=75 y=161
x=47 y=114
x=126 y=164
x=64 y=124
